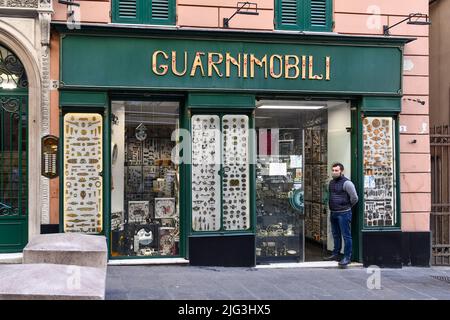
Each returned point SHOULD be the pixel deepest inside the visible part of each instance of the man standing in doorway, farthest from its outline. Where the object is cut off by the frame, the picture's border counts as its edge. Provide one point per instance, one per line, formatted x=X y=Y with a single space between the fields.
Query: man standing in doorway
x=342 y=197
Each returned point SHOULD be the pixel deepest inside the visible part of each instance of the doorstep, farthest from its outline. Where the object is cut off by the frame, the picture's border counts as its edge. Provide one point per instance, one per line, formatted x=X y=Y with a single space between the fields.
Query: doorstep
x=11 y=258
x=315 y=264
x=153 y=261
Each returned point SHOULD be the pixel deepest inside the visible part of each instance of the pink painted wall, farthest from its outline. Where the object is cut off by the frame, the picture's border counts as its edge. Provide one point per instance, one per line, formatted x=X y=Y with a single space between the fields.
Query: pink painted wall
x=362 y=17
x=367 y=17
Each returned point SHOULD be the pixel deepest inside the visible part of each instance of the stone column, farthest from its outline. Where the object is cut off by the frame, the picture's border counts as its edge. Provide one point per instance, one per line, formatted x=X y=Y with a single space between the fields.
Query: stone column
x=45 y=12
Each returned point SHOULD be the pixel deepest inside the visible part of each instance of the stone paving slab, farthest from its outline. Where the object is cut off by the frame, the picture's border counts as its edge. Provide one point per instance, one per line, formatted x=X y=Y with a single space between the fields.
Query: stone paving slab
x=51 y=282
x=68 y=249
x=197 y=283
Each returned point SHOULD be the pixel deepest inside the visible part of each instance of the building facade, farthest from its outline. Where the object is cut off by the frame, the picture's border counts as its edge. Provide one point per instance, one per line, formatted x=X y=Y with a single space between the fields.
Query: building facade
x=205 y=130
x=25 y=113
x=439 y=135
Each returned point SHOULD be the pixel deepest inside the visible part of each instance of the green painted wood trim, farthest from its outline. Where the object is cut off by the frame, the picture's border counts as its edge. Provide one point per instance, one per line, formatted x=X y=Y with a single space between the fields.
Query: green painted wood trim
x=379 y=104
x=220 y=101
x=183 y=193
x=107 y=175
x=94 y=99
x=356 y=156
x=17 y=222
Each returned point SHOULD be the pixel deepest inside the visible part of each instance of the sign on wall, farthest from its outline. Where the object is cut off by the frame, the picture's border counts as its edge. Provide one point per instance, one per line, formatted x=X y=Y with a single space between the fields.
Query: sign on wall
x=126 y=62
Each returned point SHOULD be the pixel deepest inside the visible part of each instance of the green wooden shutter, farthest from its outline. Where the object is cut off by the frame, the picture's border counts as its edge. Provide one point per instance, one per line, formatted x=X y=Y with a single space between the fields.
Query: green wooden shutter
x=126 y=11
x=144 y=11
x=308 y=15
x=289 y=15
x=289 y=12
x=161 y=12
x=320 y=15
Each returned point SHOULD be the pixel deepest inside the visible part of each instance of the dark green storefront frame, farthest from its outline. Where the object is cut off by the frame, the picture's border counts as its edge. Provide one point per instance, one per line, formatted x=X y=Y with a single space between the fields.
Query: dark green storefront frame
x=234 y=99
x=14 y=227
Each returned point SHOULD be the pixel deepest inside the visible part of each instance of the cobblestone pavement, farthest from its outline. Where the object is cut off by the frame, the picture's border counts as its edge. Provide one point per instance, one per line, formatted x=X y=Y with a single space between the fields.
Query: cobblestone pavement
x=216 y=283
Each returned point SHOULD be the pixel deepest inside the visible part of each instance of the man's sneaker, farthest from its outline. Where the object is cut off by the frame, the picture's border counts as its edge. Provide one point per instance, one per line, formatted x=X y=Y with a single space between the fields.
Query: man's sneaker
x=344 y=262
x=333 y=257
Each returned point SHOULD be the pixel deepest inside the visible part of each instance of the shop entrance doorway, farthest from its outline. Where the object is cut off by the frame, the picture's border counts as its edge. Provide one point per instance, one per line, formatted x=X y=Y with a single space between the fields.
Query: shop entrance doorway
x=297 y=141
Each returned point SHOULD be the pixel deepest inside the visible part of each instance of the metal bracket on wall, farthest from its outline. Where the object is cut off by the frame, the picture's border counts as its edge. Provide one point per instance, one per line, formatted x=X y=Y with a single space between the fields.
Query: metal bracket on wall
x=249 y=8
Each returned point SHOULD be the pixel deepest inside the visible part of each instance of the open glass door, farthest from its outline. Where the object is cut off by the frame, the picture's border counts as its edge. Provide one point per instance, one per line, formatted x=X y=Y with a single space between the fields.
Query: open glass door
x=296 y=143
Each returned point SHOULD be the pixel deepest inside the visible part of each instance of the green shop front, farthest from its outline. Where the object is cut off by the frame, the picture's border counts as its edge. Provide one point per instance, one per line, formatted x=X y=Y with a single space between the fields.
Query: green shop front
x=216 y=146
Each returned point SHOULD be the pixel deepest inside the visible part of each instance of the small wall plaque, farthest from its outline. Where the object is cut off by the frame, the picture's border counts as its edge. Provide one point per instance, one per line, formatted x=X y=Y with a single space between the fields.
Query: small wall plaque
x=49 y=167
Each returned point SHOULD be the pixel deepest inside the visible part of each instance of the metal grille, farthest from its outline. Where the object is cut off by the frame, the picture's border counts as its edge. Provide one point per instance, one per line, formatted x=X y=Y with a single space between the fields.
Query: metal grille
x=160 y=9
x=440 y=193
x=318 y=13
x=13 y=155
x=289 y=12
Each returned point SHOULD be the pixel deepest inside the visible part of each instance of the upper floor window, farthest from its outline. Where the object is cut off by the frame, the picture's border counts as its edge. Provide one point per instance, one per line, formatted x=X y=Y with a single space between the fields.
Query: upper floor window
x=144 y=11
x=308 y=15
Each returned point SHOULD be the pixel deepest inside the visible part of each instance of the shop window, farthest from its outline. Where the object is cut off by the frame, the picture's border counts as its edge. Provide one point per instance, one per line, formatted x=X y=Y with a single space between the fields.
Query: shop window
x=308 y=15
x=83 y=167
x=379 y=172
x=220 y=173
x=144 y=180
x=160 y=12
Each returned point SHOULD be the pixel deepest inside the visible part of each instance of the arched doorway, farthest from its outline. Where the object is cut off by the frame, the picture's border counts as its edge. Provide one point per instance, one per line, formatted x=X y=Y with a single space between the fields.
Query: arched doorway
x=13 y=152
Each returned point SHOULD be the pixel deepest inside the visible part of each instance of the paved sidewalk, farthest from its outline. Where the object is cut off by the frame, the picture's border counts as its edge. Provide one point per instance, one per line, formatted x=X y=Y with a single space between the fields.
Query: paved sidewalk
x=215 y=283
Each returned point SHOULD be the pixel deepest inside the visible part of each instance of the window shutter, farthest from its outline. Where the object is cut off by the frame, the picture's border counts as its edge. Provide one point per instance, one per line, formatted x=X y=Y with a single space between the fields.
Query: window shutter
x=160 y=9
x=127 y=11
x=308 y=15
x=144 y=11
x=162 y=12
x=289 y=12
x=318 y=13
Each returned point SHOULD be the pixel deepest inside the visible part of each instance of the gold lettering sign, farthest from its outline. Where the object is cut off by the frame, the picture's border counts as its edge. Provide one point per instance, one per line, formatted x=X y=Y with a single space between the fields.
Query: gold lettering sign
x=241 y=65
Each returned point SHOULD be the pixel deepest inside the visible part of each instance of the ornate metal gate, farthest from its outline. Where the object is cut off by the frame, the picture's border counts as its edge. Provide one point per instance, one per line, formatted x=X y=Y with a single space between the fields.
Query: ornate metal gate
x=440 y=192
x=13 y=153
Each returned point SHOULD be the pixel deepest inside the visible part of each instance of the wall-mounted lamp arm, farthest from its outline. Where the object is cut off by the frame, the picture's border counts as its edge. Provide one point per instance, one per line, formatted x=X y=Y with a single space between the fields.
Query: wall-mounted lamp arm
x=410 y=16
x=238 y=11
x=69 y=3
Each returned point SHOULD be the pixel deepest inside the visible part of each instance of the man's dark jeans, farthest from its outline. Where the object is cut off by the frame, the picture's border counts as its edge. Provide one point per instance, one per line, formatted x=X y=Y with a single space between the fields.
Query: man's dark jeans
x=341 y=226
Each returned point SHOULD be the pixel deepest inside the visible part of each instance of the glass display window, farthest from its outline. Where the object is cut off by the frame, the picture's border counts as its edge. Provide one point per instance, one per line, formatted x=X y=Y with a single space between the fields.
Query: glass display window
x=379 y=172
x=145 y=182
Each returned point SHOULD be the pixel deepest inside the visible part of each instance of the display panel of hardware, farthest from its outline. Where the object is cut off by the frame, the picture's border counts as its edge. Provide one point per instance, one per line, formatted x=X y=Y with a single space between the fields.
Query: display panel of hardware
x=379 y=173
x=235 y=198
x=205 y=172
x=83 y=184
